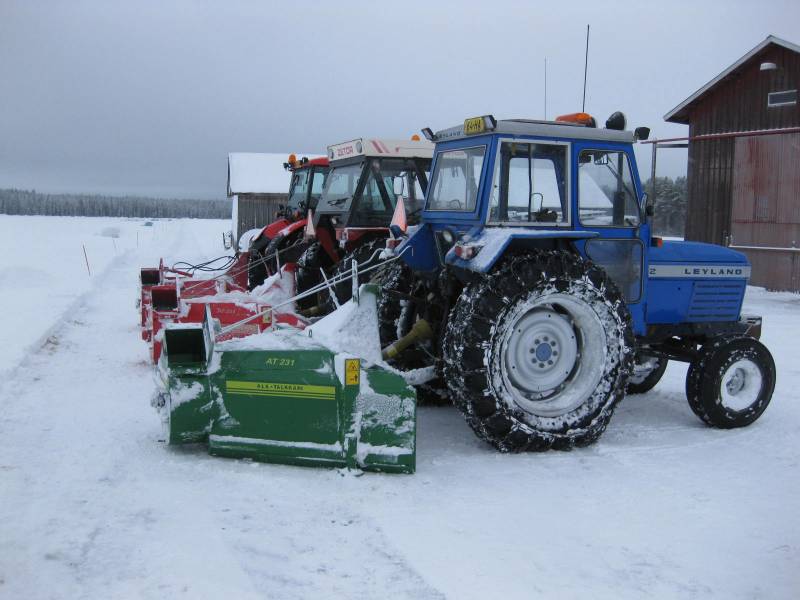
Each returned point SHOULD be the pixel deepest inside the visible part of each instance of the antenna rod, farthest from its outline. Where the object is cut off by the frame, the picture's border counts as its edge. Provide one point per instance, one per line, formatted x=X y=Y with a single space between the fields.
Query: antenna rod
x=545 y=88
x=585 y=68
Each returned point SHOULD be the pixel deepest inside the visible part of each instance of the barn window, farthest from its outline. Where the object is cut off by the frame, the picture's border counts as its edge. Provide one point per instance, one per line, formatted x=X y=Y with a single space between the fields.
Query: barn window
x=787 y=98
x=762 y=209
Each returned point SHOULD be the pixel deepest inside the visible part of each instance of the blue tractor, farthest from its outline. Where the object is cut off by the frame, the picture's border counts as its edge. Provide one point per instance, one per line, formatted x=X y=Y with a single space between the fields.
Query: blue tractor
x=534 y=288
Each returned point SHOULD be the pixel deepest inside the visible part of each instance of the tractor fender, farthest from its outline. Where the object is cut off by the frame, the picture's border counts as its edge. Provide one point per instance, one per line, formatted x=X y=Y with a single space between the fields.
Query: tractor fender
x=271 y=230
x=292 y=227
x=491 y=244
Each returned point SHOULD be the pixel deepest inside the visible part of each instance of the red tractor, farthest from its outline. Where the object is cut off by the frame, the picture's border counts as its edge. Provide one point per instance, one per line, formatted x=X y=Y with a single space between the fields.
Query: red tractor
x=170 y=295
x=282 y=241
x=367 y=180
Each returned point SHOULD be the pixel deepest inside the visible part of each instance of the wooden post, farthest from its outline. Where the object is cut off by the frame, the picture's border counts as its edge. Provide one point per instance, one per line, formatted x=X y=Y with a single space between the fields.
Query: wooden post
x=87 y=260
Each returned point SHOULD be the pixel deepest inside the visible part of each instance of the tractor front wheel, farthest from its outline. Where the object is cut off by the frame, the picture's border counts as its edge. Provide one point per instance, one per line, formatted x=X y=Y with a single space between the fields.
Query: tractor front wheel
x=257 y=270
x=309 y=274
x=731 y=381
x=402 y=303
x=366 y=255
x=647 y=372
x=538 y=354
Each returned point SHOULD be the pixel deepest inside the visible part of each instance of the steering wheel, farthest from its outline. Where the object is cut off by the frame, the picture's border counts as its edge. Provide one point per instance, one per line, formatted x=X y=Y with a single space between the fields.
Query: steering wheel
x=455 y=204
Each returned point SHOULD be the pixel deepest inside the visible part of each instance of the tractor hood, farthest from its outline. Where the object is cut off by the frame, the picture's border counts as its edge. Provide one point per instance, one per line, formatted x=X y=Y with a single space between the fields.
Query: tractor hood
x=696 y=260
x=695 y=252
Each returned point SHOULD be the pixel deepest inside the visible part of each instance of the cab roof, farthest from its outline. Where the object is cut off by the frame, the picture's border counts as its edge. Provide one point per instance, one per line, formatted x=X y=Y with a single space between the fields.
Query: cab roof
x=534 y=128
x=381 y=148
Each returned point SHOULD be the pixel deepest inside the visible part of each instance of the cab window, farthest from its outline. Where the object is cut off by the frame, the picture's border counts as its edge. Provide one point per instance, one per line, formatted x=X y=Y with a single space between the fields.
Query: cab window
x=529 y=184
x=317 y=183
x=455 y=179
x=299 y=187
x=606 y=194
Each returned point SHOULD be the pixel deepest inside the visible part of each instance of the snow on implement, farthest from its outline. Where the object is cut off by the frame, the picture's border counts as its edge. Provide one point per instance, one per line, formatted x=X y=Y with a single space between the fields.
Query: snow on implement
x=314 y=397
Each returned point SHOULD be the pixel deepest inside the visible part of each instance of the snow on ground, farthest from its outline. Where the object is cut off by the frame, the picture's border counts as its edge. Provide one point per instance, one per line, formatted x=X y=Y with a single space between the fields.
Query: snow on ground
x=94 y=505
x=43 y=269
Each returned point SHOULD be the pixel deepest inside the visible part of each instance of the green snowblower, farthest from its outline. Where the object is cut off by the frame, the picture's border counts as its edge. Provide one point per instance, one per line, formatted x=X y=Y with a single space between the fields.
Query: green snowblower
x=320 y=396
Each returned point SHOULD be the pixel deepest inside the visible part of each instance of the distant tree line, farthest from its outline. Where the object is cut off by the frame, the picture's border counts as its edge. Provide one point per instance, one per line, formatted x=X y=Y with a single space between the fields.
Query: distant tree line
x=25 y=202
x=670 y=206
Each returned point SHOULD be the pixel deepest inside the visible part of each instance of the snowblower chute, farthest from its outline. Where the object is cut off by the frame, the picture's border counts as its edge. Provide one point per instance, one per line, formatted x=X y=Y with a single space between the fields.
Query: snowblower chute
x=291 y=396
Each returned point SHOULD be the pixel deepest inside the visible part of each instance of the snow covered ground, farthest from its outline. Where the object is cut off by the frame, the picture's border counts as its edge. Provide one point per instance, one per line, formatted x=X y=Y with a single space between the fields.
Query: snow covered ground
x=94 y=505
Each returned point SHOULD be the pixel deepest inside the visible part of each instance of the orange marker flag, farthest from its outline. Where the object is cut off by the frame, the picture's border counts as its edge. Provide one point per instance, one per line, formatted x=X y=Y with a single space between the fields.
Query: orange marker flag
x=399 y=216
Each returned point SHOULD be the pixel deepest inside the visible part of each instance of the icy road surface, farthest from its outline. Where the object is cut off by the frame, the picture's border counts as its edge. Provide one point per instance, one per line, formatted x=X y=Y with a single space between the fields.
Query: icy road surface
x=94 y=505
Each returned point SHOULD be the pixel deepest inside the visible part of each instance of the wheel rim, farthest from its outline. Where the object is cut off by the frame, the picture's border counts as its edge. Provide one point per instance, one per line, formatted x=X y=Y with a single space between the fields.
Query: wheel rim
x=741 y=385
x=552 y=356
x=643 y=368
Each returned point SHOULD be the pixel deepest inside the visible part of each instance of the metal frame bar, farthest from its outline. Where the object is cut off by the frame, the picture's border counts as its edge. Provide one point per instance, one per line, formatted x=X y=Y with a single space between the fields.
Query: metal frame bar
x=719 y=136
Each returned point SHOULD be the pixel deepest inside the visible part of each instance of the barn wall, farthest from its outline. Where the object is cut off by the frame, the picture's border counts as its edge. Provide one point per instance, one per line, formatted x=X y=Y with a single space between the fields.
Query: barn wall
x=766 y=207
x=737 y=104
x=258 y=210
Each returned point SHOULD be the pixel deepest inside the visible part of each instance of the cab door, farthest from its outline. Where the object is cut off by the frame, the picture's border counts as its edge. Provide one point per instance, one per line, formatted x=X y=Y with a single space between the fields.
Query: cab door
x=608 y=203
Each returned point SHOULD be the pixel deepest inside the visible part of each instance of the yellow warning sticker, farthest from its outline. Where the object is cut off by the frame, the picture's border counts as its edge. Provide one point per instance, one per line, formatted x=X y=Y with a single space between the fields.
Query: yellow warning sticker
x=281 y=390
x=352 y=371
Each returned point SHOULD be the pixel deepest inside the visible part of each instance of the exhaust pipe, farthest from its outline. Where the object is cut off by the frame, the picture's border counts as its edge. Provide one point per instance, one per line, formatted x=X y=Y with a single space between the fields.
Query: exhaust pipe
x=419 y=332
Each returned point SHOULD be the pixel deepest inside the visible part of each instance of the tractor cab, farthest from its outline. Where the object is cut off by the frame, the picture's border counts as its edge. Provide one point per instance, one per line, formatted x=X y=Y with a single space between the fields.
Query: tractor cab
x=514 y=185
x=308 y=179
x=367 y=178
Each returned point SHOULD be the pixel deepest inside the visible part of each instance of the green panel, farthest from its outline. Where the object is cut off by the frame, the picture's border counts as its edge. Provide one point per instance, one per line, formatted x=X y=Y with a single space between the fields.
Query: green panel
x=291 y=407
x=191 y=409
x=388 y=408
x=288 y=396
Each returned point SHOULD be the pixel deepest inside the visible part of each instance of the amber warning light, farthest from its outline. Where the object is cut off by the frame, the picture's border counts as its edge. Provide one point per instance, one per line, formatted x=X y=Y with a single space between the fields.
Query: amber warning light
x=579 y=118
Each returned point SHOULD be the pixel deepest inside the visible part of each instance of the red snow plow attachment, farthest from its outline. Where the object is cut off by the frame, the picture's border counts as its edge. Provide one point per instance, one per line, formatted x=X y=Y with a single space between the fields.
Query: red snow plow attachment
x=170 y=295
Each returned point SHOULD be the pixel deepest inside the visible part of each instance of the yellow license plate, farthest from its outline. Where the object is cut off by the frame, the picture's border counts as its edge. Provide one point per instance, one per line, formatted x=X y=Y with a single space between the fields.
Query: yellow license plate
x=473 y=126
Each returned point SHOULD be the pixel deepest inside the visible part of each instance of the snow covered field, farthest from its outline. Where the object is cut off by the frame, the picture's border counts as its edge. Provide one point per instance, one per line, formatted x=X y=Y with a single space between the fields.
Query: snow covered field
x=93 y=505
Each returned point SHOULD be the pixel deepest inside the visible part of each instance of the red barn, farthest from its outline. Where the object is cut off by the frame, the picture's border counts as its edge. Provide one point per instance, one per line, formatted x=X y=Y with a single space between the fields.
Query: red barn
x=744 y=161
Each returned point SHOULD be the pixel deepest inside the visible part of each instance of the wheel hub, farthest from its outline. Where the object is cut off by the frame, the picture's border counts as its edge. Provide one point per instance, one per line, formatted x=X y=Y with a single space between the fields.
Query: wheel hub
x=736 y=383
x=541 y=351
x=741 y=385
x=552 y=354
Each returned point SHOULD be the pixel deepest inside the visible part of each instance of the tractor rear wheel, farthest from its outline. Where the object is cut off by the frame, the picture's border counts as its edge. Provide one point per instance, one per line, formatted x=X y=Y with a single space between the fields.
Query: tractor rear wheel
x=731 y=381
x=647 y=372
x=538 y=354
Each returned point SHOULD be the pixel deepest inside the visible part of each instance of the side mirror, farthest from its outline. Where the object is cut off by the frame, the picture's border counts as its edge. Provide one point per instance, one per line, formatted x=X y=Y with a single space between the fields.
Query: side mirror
x=399 y=185
x=649 y=210
x=641 y=133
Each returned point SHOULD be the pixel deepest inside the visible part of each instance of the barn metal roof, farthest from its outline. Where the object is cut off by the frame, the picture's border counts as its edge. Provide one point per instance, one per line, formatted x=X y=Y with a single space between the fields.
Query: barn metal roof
x=257 y=173
x=680 y=114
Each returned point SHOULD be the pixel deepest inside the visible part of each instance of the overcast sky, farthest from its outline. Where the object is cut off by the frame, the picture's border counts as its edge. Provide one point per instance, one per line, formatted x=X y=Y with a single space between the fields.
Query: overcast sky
x=149 y=97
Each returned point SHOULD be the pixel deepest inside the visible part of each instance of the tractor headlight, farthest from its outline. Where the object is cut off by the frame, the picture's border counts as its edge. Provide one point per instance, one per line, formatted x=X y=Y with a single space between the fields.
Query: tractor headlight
x=448 y=237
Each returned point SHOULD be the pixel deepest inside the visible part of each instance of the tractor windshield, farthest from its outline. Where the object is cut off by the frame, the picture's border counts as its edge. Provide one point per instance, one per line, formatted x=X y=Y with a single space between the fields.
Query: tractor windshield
x=388 y=179
x=340 y=188
x=454 y=184
x=372 y=203
x=302 y=180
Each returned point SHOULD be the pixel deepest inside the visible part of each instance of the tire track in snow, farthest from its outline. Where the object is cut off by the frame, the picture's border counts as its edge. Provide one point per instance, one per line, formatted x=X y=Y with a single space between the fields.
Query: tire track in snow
x=97 y=505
